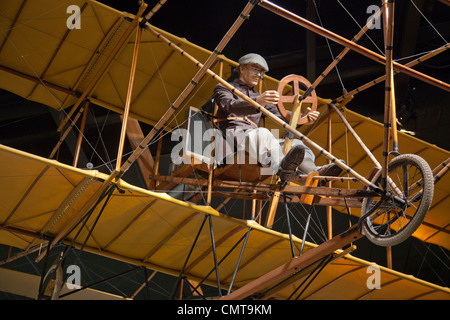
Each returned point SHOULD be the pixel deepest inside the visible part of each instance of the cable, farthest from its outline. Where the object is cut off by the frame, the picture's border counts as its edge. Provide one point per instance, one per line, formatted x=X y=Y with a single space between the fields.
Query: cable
x=329 y=48
x=351 y=16
x=426 y=19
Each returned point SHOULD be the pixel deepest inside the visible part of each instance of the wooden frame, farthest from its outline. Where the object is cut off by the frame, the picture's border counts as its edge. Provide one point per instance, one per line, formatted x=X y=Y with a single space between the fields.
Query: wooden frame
x=257 y=189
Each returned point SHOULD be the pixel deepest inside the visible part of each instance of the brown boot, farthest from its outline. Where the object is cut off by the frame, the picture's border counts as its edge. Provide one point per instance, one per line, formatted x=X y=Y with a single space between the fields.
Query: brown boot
x=328 y=170
x=290 y=162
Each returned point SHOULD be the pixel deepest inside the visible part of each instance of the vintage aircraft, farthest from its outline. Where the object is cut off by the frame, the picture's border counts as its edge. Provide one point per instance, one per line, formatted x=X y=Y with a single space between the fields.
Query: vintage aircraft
x=121 y=62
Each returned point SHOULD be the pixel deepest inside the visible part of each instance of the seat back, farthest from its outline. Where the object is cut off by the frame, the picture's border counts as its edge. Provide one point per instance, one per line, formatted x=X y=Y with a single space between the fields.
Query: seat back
x=197 y=142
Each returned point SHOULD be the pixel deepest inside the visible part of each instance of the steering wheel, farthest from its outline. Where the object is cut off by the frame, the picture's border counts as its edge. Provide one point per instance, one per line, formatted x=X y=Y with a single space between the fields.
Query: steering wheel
x=296 y=82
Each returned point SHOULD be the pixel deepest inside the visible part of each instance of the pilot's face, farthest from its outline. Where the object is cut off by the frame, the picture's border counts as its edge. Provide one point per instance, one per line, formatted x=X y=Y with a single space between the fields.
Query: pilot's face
x=250 y=74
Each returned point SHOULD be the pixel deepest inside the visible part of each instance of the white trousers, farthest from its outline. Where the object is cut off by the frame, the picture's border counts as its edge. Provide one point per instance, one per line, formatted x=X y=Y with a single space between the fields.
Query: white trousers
x=266 y=148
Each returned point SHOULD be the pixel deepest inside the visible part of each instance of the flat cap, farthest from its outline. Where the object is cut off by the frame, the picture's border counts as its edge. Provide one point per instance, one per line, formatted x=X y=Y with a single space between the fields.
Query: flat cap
x=256 y=59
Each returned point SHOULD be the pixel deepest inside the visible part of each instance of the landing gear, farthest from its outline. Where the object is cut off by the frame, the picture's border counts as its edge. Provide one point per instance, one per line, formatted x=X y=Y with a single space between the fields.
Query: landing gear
x=394 y=216
x=52 y=282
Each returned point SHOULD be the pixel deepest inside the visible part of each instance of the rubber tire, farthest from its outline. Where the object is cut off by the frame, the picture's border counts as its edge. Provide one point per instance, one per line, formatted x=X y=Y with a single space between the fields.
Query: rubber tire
x=423 y=208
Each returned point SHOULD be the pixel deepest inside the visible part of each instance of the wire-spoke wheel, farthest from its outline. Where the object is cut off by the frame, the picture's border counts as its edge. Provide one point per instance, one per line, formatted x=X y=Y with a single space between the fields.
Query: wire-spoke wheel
x=395 y=216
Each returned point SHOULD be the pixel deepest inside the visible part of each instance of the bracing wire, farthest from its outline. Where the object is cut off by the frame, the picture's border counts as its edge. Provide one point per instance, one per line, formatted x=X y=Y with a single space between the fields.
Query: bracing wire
x=315 y=226
x=33 y=70
x=100 y=139
x=425 y=261
x=359 y=26
x=429 y=22
x=329 y=47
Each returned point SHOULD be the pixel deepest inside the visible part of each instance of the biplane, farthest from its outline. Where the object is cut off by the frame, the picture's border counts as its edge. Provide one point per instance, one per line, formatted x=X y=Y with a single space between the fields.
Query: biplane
x=74 y=55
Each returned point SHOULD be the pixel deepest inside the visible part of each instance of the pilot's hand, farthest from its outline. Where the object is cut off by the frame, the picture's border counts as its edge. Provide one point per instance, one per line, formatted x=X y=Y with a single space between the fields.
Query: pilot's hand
x=312 y=116
x=268 y=97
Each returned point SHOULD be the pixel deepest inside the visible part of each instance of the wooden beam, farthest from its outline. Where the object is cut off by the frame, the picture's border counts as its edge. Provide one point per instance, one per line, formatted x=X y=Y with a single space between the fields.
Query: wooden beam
x=93 y=82
x=295 y=189
x=135 y=136
x=126 y=111
x=410 y=64
x=80 y=135
x=286 y=148
x=177 y=178
x=349 y=44
x=203 y=68
x=294 y=265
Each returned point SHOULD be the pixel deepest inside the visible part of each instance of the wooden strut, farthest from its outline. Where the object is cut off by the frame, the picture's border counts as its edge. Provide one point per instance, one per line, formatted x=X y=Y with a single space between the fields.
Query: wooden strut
x=388 y=120
x=67 y=131
x=211 y=167
x=112 y=177
x=257 y=106
x=198 y=76
x=439 y=172
x=383 y=77
x=105 y=65
x=353 y=46
x=353 y=197
x=154 y=10
x=341 y=55
x=80 y=135
x=294 y=265
x=129 y=94
x=364 y=147
x=87 y=91
x=132 y=76
x=329 y=209
x=286 y=147
x=295 y=189
x=355 y=135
